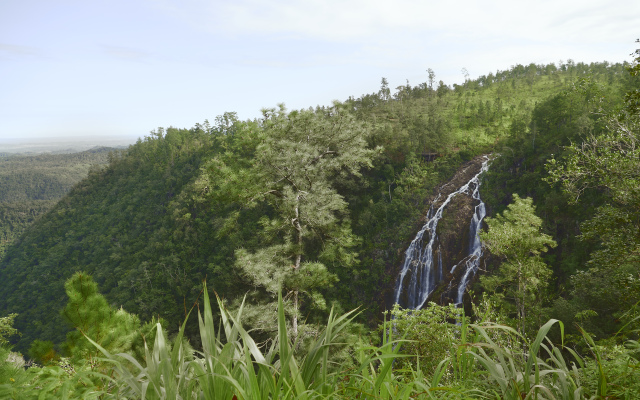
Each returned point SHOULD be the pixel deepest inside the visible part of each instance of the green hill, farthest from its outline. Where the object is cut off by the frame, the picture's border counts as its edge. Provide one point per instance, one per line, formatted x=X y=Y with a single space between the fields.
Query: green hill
x=163 y=215
x=31 y=184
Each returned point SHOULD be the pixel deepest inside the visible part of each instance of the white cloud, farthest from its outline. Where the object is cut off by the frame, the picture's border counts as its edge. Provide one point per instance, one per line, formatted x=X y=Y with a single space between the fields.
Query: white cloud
x=397 y=34
x=360 y=19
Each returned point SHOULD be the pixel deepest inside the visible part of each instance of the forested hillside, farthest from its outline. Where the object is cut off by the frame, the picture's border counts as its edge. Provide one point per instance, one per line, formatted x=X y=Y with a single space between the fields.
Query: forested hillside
x=305 y=214
x=31 y=184
x=552 y=159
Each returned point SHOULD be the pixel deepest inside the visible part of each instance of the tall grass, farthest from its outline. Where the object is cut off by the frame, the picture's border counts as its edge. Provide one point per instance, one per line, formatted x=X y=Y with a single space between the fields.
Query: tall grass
x=237 y=368
x=231 y=365
x=234 y=368
x=539 y=372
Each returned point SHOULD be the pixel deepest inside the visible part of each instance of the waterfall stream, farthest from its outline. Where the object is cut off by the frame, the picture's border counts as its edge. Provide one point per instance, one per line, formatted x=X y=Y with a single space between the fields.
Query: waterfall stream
x=418 y=264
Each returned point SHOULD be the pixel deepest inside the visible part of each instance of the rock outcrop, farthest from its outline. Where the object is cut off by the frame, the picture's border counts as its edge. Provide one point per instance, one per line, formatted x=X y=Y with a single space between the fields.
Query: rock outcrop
x=434 y=267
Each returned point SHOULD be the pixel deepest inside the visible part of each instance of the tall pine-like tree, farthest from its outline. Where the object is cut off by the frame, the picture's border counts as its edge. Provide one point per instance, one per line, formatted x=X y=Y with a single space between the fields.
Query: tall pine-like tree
x=301 y=157
x=88 y=311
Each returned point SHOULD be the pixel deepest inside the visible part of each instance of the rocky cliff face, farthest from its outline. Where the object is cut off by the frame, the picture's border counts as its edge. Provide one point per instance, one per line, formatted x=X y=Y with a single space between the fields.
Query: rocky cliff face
x=439 y=258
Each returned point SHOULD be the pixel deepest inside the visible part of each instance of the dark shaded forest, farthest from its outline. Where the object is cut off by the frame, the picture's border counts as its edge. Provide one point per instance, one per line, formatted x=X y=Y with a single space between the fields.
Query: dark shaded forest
x=31 y=184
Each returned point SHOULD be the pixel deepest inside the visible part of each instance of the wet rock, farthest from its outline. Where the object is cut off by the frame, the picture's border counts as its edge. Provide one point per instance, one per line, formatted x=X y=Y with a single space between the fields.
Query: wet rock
x=451 y=247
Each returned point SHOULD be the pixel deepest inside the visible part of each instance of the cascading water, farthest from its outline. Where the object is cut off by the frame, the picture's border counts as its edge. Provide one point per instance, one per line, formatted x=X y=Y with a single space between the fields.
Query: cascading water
x=475 y=245
x=418 y=264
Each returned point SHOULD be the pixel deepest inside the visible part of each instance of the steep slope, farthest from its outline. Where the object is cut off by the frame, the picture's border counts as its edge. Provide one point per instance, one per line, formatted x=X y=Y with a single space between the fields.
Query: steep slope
x=581 y=283
x=32 y=184
x=126 y=226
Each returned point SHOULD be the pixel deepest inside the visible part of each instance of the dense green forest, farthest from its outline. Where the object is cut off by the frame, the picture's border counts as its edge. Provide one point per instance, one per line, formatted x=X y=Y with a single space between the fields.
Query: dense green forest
x=30 y=184
x=297 y=217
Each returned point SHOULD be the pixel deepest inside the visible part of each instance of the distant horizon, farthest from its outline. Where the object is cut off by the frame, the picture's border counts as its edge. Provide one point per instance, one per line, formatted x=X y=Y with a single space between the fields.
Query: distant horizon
x=67 y=137
x=30 y=145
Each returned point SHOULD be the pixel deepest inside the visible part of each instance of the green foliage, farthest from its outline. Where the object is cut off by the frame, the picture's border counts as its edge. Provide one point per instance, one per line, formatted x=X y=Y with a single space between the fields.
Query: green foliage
x=431 y=335
x=540 y=132
x=606 y=160
x=43 y=352
x=16 y=217
x=11 y=364
x=12 y=373
x=6 y=329
x=91 y=316
x=236 y=367
x=515 y=237
x=540 y=371
x=294 y=170
x=213 y=201
x=176 y=206
x=231 y=364
x=632 y=97
x=60 y=380
x=138 y=227
x=45 y=176
x=31 y=184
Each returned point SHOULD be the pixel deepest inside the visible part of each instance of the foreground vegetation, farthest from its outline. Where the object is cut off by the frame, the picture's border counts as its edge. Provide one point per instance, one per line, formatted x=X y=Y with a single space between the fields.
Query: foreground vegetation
x=481 y=360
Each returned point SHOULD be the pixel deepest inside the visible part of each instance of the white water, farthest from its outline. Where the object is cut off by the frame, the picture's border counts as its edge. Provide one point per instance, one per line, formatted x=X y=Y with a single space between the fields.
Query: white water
x=418 y=260
x=475 y=245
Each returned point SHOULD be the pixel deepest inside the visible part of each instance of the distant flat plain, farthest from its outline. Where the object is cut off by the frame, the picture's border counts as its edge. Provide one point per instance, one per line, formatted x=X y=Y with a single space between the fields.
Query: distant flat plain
x=69 y=144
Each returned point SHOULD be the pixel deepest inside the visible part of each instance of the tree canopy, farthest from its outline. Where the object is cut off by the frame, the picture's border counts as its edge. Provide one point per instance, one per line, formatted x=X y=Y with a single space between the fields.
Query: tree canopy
x=514 y=236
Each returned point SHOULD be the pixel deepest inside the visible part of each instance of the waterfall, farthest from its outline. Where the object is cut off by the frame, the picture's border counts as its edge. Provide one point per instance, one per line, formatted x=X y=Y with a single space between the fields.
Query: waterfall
x=475 y=245
x=418 y=264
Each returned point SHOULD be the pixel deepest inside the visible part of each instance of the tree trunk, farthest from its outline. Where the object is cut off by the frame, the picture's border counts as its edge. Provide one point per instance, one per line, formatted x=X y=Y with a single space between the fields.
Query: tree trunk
x=296 y=224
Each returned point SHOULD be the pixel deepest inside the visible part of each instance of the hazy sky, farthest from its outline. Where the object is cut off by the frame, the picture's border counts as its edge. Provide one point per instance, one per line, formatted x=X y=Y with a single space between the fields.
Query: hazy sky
x=124 y=67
